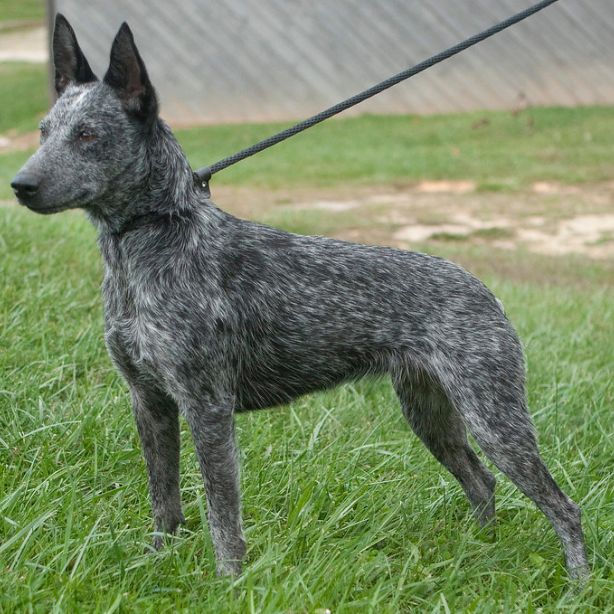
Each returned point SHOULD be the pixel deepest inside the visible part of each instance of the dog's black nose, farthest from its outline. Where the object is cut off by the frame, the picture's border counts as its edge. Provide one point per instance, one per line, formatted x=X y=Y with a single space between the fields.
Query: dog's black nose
x=25 y=185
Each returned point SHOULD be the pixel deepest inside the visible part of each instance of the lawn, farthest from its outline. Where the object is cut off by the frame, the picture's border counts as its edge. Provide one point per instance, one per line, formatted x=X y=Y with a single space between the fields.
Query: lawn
x=22 y=10
x=24 y=96
x=344 y=509
x=498 y=150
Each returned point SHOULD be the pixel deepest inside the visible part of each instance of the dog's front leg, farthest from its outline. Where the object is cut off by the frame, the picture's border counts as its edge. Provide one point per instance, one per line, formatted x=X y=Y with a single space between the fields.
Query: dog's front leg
x=157 y=420
x=212 y=426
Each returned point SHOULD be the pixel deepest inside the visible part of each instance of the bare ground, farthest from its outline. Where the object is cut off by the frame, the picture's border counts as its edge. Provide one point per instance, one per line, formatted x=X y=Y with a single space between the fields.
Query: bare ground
x=26 y=44
x=12 y=141
x=548 y=219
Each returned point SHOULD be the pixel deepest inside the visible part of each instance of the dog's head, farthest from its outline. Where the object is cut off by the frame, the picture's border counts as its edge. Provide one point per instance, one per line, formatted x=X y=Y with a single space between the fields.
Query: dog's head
x=97 y=131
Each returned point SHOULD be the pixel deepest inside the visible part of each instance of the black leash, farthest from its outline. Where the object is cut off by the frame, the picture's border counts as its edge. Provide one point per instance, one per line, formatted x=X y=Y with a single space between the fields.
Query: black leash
x=203 y=175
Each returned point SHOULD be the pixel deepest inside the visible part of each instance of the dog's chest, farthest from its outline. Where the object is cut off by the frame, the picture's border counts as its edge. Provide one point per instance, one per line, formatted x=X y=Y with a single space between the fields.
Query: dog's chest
x=134 y=319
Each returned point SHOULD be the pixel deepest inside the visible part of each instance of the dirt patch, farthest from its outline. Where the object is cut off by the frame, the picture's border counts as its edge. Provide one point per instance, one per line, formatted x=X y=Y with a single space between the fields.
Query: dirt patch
x=590 y=235
x=547 y=218
x=24 y=45
x=460 y=225
x=450 y=187
x=548 y=187
x=331 y=205
x=11 y=141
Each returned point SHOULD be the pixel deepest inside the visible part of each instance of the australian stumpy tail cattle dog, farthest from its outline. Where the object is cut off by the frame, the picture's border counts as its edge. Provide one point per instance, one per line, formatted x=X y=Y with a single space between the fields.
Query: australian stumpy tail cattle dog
x=207 y=315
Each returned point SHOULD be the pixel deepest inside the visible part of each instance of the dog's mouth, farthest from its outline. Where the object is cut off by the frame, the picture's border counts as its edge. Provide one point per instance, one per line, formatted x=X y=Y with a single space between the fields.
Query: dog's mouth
x=78 y=201
x=46 y=210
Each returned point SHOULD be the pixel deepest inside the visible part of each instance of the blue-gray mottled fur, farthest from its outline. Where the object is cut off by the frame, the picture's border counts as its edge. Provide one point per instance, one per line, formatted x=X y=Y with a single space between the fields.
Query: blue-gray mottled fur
x=206 y=314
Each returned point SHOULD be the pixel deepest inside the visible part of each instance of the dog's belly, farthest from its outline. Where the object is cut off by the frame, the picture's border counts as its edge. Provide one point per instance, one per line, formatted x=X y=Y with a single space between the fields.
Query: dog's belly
x=283 y=378
x=262 y=394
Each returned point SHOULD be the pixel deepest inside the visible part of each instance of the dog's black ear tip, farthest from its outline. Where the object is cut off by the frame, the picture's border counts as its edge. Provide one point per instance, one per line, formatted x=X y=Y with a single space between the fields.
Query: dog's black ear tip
x=61 y=21
x=63 y=34
x=123 y=38
x=124 y=30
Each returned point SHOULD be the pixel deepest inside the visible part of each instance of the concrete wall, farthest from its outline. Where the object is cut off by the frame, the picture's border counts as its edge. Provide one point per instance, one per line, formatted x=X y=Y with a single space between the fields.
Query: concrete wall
x=248 y=60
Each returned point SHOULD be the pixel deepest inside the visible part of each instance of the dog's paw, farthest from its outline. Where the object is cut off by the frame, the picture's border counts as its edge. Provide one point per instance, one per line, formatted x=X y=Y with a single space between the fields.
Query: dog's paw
x=164 y=535
x=579 y=574
x=166 y=526
x=157 y=543
x=229 y=568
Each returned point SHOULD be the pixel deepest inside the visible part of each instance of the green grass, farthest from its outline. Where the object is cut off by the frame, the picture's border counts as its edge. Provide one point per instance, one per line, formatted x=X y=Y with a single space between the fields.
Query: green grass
x=24 y=96
x=558 y=144
x=343 y=508
x=24 y=99
x=18 y=10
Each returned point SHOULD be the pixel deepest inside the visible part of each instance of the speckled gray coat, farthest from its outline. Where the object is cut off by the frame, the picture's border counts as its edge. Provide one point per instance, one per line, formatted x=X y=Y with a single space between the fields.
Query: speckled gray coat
x=207 y=315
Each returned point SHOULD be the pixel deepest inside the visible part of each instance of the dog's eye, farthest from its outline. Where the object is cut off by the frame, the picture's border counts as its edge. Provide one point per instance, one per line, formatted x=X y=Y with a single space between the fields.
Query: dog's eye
x=44 y=132
x=86 y=136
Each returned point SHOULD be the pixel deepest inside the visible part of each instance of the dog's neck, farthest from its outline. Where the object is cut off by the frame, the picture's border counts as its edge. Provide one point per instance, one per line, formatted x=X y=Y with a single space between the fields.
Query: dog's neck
x=161 y=183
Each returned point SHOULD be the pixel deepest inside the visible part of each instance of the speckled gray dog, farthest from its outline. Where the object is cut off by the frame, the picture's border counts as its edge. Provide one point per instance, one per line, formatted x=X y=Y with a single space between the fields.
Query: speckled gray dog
x=207 y=314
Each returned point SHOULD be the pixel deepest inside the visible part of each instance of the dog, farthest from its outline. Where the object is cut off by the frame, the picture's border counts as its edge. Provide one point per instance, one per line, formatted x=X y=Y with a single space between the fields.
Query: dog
x=207 y=315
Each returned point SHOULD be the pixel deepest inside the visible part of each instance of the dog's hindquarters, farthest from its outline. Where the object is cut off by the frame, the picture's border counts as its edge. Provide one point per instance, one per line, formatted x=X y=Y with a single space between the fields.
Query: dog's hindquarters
x=499 y=421
x=484 y=391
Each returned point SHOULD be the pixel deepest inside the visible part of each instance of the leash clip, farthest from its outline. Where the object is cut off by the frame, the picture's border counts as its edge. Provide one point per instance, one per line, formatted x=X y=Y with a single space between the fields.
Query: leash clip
x=201 y=178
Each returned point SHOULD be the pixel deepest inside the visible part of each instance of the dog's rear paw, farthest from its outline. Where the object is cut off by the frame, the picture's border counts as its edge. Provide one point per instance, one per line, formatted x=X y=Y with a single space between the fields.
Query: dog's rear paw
x=579 y=574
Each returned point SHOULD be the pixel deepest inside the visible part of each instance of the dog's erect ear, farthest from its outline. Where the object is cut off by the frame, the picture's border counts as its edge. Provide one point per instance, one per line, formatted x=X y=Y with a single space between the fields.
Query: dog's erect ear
x=68 y=59
x=128 y=77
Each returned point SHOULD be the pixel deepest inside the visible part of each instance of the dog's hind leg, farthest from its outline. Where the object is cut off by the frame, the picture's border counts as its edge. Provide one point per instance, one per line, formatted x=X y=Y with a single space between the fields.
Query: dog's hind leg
x=494 y=410
x=438 y=425
x=157 y=420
